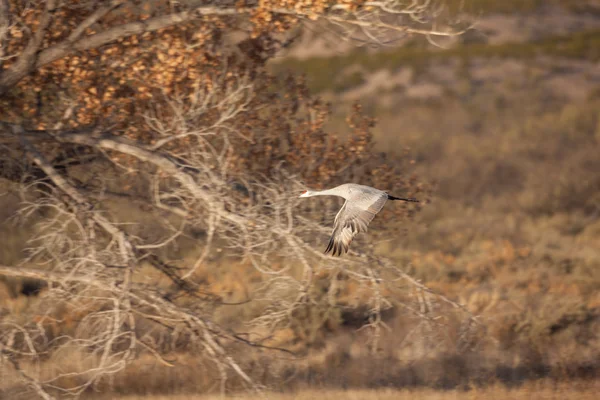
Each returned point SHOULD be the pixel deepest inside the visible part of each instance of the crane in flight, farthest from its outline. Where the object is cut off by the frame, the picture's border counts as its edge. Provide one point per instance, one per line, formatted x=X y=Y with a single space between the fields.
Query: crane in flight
x=361 y=206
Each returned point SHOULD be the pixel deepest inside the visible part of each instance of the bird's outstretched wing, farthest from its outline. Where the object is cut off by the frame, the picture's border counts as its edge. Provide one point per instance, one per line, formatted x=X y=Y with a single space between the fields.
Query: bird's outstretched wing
x=353 y=218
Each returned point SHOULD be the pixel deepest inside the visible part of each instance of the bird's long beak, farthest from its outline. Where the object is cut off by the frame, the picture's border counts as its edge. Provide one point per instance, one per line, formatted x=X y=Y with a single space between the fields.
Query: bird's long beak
x=303 y=194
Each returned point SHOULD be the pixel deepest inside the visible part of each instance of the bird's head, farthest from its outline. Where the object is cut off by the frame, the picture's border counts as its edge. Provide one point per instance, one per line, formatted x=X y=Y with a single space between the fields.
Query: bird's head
x=306 y=193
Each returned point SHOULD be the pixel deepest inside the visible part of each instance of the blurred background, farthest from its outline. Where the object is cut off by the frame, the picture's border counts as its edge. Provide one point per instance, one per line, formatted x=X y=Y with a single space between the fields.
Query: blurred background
x=504 y=122
x=501 y=127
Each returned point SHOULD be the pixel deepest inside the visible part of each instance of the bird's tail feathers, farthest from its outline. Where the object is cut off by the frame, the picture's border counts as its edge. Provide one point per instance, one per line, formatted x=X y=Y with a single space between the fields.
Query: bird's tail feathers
x=411 y=199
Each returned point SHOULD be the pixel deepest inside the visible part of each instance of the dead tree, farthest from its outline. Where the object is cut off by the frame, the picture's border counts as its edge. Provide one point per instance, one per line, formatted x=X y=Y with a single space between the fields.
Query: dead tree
x=152 y=111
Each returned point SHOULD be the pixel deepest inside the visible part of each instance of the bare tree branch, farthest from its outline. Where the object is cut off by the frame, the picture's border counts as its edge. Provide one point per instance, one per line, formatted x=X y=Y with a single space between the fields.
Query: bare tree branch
x=31 y=58
x=33 y=383
x=368 y=18
x=5 y=23
x=27 y=60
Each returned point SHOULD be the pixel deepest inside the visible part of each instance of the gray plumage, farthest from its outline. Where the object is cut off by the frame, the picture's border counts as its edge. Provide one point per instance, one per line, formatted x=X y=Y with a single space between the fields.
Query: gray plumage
x=361 y=206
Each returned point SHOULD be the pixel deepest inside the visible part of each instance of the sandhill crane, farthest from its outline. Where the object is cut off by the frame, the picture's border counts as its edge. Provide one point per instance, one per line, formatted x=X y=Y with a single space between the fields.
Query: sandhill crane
x=362 y=203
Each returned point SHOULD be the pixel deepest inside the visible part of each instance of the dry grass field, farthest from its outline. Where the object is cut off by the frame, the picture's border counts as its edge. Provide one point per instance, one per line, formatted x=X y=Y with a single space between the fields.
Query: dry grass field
x=532 y=391
x=508 y=139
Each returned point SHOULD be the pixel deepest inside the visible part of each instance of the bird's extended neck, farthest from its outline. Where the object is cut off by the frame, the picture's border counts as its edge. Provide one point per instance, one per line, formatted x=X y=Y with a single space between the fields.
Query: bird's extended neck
x=329 y=192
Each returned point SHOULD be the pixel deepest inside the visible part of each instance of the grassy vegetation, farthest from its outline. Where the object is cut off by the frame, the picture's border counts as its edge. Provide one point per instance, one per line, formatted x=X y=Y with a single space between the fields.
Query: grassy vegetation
x=536 y=391
x=511 y=6
x=512 y=232
x=319 y=70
